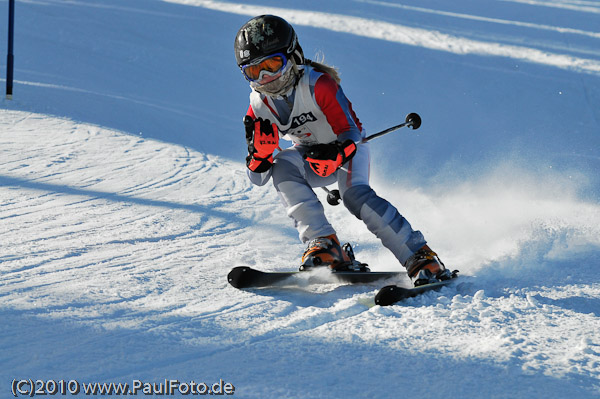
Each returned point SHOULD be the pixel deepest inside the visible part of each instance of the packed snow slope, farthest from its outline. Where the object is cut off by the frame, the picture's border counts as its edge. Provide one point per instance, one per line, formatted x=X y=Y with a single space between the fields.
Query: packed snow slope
x=124 y=201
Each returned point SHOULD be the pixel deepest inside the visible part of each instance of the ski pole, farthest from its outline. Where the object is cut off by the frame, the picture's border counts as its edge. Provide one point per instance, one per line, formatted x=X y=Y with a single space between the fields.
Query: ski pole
x=412 y=120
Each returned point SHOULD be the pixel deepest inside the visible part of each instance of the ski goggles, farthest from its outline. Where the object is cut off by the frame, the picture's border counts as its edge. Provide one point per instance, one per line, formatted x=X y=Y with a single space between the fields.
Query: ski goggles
x=271 y=65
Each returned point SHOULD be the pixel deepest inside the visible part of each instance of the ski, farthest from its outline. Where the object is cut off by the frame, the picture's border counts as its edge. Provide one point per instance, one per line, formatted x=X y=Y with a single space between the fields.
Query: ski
x=247 y=277
x=392 y=294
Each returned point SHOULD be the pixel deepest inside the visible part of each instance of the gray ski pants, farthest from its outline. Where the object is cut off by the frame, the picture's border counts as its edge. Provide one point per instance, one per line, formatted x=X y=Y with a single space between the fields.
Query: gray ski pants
x=294 y=180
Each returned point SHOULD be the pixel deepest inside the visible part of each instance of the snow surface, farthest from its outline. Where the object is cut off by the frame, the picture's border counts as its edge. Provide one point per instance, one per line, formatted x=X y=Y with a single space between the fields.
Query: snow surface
x=124 y=200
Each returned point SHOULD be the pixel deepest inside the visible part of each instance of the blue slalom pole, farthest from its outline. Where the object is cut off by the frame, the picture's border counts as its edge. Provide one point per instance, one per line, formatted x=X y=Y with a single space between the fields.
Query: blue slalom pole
x=10 y=59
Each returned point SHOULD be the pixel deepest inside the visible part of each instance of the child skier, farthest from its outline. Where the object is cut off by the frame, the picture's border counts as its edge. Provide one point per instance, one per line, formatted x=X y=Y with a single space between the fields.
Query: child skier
x=301 y=100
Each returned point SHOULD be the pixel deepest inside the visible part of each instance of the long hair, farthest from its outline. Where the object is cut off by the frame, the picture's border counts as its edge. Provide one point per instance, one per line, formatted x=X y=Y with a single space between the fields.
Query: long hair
x=322 y=67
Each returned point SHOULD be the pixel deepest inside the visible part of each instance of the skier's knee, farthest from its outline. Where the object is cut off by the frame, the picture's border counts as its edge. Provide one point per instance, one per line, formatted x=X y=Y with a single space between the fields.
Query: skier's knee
x=355 y=197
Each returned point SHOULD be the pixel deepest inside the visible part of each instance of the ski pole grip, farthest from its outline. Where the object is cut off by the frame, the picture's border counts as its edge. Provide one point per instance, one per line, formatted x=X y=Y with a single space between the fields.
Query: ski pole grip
x=248 y=120
x=249 y=125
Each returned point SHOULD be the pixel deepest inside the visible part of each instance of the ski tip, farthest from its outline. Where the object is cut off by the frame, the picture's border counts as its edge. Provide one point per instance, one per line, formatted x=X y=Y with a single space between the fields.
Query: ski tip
x=236 y=276
x=389 y=295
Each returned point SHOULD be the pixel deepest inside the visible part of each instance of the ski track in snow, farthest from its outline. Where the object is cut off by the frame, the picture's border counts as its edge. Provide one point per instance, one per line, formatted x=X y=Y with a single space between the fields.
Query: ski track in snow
x=484 y=19
x=115 y=249
x=583 y=6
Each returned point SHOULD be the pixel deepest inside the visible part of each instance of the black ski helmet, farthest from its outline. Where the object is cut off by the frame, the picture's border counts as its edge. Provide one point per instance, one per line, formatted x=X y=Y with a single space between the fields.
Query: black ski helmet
x=265 y=35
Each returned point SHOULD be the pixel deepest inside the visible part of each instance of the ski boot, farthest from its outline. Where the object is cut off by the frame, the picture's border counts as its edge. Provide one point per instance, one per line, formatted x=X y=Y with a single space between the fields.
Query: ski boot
x=326 y=251
x=424 y=267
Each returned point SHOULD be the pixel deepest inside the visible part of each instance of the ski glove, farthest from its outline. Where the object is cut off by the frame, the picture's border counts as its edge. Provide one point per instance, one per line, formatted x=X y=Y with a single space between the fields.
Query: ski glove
x=263 y=139
x=325 y=159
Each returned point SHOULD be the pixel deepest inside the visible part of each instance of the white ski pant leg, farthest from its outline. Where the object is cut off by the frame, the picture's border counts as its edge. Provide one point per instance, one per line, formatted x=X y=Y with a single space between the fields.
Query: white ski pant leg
x=380 y=217
x=293 y=179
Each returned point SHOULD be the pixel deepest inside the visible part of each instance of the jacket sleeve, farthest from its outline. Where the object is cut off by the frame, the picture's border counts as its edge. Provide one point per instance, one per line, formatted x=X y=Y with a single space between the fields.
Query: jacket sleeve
x=330 y=97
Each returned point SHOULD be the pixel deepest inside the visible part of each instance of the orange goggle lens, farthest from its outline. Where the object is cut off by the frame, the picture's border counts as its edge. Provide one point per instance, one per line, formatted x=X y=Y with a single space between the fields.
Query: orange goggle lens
x=273 y=64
